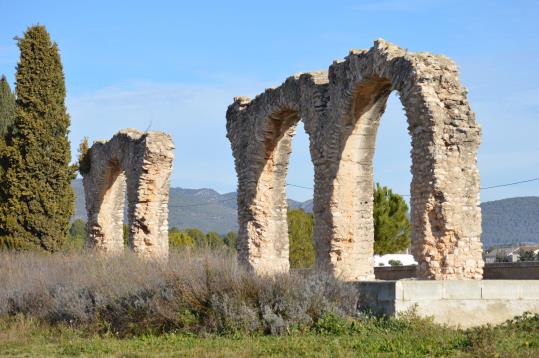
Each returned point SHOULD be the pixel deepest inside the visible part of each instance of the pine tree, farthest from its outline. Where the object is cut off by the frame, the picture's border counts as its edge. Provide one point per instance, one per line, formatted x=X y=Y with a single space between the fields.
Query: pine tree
x=7 y=106
x=391 y=224
x=38 y=200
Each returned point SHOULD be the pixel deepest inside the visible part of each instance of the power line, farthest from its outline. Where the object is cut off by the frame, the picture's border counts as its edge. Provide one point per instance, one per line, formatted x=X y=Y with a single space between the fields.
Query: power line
x=201 y=204
x=509 y=184
x=299 y=186
x=483 y=188
x=310 y=188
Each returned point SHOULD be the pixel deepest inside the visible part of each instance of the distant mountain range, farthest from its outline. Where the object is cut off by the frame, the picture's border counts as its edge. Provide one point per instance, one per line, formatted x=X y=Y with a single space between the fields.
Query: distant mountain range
x=505 y=222
x=205 y=209
x=510 y=221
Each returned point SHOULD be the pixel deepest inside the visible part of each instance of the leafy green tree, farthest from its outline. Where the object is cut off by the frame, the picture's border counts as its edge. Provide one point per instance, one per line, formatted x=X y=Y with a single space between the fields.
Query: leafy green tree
x=125 y=234
x=526 y=255
x=179 y=239
x=300 y=234
x=76 y=235
x=231 y=239
x=197 y=235
x=7 y=106
x=391 y=223
x=214 y=240
x=37 y=200
x=84 y=158
x=78 y=228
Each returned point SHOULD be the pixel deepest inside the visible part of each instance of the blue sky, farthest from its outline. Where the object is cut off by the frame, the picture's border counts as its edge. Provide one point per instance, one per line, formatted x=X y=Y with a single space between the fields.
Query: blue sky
x=175 y=66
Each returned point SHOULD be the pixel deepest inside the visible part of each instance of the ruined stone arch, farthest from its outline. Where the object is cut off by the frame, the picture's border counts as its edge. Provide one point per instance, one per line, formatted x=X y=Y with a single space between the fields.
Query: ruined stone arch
x=342 y=109
x=261 y=136
x=136 y=164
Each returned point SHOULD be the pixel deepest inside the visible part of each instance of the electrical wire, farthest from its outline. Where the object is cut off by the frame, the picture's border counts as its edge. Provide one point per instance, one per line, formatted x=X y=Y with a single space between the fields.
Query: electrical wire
x=309 y=188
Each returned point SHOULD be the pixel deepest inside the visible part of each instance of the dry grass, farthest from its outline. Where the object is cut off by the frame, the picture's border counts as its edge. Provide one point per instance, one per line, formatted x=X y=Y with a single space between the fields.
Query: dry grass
x=202 y=304
x=195 y=292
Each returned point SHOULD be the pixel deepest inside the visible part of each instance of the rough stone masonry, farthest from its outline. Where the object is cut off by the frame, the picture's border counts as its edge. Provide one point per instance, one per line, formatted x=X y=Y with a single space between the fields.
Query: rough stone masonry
x=138 y=164
x=341 y=111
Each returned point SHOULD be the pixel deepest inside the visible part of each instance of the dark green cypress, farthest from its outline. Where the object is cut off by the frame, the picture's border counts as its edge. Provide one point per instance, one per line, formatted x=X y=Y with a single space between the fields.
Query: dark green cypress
x=38 y=200
x=7 y=106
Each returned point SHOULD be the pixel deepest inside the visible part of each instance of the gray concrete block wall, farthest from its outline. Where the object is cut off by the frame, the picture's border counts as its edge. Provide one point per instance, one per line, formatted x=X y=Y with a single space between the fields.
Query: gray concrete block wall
x=463 y=303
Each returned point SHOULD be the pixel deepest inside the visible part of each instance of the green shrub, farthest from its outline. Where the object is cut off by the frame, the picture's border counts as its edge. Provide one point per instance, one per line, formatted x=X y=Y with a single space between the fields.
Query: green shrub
x=76 y=235
x=231 y=239
x=300 y=234
x=179 y=239
x=527 y=255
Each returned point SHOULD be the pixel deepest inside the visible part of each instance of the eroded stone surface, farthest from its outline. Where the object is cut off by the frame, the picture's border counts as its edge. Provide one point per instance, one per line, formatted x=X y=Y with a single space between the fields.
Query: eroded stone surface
x=341 y=110
x=136 y=164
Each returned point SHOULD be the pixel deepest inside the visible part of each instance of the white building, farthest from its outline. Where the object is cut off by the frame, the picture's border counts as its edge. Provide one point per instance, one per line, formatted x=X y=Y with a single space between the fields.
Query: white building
x=405 y=259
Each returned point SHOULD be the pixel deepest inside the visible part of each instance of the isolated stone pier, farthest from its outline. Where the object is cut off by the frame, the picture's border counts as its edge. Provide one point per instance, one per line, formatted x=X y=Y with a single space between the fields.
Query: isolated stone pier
x=138 y=164
x=341 y=111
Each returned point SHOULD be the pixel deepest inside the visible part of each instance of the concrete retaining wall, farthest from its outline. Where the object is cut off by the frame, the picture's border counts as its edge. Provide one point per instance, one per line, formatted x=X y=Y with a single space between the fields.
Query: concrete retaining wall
x=494 y=271
x=463 y=303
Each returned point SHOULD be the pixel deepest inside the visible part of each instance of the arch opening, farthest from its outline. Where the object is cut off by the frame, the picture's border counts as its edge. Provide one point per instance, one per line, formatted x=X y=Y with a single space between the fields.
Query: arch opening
x=352 y=196
x=300 y=182
x=392 y=169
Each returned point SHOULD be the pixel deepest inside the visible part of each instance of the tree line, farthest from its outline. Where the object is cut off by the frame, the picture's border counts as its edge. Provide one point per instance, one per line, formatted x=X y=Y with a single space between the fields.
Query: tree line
x=391 y=231
x=178 y=239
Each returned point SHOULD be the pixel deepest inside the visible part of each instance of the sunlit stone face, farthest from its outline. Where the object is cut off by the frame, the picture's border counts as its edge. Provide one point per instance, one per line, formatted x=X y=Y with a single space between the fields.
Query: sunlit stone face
x=341 y=110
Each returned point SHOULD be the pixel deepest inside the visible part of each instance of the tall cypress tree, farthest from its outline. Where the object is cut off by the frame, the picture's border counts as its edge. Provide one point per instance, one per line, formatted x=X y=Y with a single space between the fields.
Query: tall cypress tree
x=38 y=199
x=7 y=106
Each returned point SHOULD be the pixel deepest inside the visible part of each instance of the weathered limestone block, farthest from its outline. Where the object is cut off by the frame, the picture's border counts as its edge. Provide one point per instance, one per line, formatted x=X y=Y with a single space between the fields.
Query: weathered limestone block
x=341 y=110
x=138 y=164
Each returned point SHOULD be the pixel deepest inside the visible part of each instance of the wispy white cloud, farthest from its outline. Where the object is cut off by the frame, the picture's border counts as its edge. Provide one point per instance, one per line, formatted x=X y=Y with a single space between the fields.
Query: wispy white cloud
x=394 y=5
x=195 y=117
x=193 y=114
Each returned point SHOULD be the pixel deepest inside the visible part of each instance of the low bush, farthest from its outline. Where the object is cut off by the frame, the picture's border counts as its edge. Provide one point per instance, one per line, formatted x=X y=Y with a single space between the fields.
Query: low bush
x=196 y=292
x=84 y=303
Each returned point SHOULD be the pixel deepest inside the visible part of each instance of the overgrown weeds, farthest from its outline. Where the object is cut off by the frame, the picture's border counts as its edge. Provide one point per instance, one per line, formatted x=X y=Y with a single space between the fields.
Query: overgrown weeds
x=93 y=301
x=195 y=292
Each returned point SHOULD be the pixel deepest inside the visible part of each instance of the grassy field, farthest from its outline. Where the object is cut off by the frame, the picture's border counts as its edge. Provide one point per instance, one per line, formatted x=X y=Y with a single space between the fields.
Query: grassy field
x=204 y=304
x=406 y=337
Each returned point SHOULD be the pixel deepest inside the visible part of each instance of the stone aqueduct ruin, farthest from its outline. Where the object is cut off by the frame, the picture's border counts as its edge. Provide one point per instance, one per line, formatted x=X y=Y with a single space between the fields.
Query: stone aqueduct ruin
x=341 y=111
x=137 y=164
